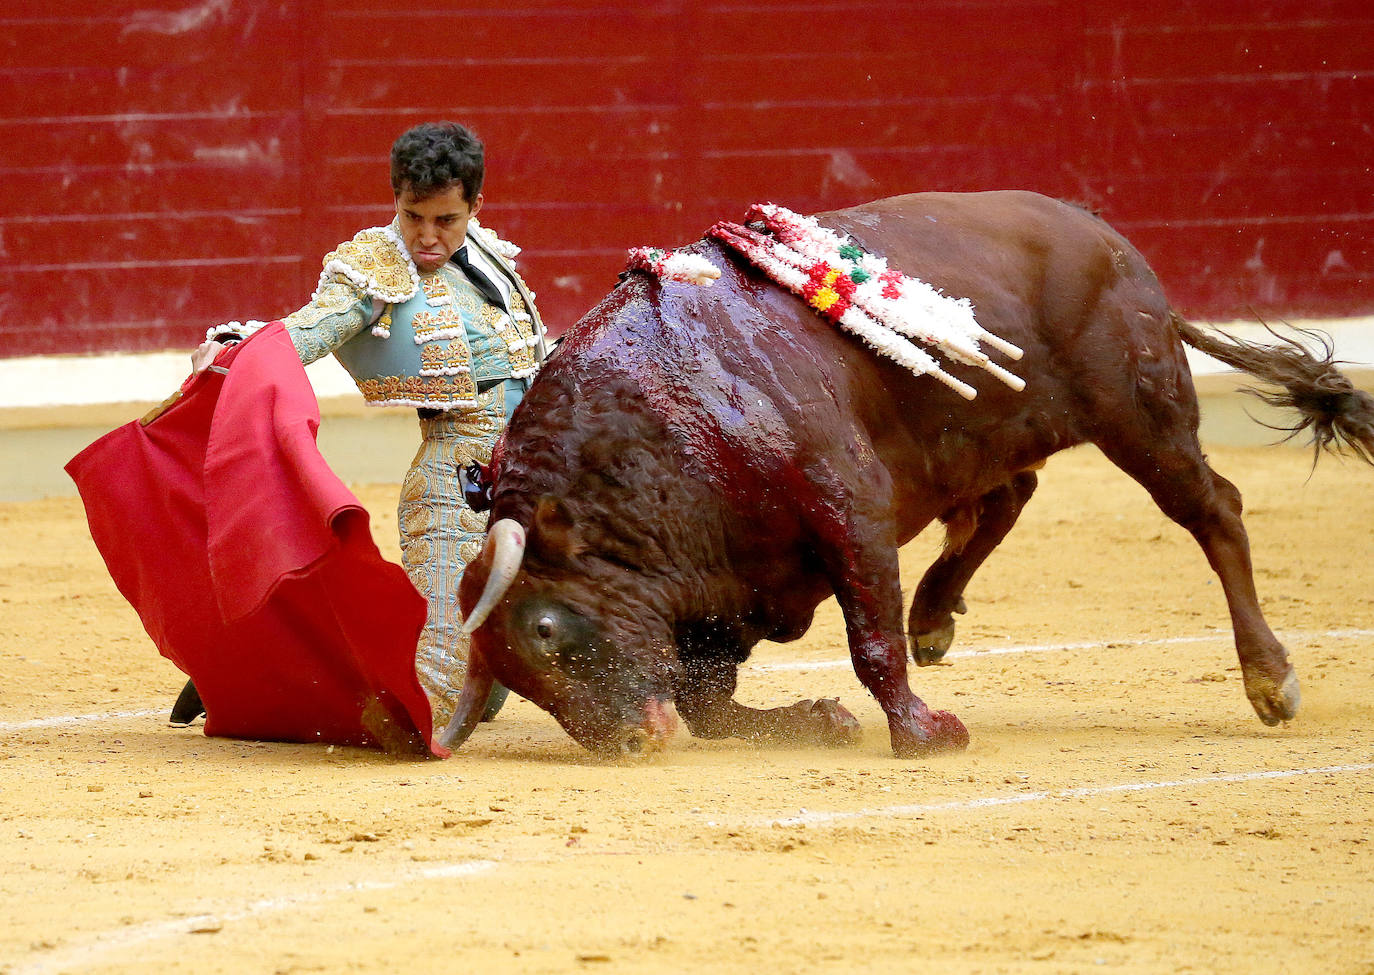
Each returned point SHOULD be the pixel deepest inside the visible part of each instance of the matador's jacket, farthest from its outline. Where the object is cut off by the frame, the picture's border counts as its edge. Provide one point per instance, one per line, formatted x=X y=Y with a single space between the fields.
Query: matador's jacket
x=433 y=339
x=432 y=342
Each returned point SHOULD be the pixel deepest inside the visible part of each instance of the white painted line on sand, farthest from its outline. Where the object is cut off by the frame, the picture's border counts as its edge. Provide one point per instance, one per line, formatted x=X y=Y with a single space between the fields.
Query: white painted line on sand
x=89 y=951
x=61 y=720
x=821 y=818
x=1288 y=635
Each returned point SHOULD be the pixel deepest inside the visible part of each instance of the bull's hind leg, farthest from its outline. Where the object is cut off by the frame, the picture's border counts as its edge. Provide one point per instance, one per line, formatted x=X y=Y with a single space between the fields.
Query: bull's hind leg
x=1172 y=468
x=972 y=532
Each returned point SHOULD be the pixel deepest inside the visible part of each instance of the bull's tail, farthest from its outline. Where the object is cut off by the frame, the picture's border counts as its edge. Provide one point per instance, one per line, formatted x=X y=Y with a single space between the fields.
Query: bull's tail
x=1340 y=416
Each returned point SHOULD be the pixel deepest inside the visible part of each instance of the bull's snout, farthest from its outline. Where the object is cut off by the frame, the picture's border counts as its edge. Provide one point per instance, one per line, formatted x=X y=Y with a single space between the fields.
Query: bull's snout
x=656 y=727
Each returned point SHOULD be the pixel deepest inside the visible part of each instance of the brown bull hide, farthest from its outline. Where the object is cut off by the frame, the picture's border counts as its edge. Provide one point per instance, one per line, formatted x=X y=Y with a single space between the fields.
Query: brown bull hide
x=700 y=467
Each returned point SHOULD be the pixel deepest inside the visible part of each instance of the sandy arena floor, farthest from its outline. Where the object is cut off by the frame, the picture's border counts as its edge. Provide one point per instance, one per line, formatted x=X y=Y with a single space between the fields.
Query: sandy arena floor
x=1120 y=809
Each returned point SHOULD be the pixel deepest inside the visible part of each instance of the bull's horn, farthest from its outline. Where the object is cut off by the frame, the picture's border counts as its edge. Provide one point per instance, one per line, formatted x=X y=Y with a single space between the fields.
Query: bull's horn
x=477 y=685
x=509 y=538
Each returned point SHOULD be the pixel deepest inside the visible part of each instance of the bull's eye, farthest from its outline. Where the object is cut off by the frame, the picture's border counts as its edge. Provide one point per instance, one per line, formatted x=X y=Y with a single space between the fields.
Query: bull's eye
x=551 y=635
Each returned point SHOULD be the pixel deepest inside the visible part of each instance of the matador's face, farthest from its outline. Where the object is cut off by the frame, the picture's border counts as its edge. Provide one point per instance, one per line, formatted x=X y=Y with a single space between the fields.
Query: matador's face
x=433 y=228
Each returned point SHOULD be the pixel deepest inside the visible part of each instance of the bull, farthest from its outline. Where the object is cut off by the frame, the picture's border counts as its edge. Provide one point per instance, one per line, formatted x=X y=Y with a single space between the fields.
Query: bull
x=696 y=469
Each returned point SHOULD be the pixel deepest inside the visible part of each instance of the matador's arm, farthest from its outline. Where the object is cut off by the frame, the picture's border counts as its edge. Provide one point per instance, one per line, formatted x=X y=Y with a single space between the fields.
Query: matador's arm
x=338 y=311
x=361 y=277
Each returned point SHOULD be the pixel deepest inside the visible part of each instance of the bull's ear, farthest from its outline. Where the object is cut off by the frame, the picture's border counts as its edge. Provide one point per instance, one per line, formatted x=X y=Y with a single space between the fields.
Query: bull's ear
x=553 y=536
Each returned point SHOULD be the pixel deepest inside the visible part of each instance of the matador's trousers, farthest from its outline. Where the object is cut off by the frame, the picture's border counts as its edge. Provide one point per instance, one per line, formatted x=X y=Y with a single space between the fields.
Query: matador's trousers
x=440 y=535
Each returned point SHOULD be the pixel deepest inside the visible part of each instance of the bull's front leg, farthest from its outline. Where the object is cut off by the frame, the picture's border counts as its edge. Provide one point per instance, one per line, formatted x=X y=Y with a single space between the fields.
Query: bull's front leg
x=707 y=705
x=862 y=563
x=880 y=663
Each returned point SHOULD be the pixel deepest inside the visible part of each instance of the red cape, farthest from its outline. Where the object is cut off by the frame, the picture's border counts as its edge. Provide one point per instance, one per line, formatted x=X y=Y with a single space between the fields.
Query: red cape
x=252 y=566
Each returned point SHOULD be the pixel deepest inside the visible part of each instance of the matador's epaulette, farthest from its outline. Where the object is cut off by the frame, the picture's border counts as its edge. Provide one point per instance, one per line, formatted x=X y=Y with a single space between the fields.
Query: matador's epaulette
x=376 y=262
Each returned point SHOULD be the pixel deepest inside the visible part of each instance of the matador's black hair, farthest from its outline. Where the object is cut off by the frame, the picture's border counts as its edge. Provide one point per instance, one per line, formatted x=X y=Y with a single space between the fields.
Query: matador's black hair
x=432 y=156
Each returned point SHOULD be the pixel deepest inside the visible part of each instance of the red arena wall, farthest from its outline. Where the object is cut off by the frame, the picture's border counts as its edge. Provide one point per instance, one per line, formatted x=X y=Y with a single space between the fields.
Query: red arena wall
x=170 y=164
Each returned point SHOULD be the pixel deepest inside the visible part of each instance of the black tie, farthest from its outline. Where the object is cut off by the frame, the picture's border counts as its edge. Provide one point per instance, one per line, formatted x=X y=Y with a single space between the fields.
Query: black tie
x=479 y=280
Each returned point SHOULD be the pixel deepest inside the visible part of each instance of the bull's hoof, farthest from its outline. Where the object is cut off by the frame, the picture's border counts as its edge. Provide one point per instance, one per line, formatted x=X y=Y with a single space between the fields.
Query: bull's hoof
x=827 y=722
x=943 y=733
x=930 y=647
x=1273 y=702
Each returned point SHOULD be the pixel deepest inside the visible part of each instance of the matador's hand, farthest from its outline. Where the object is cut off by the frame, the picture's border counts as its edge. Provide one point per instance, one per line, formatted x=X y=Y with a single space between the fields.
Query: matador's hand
x=204 y=355
x=207 y=351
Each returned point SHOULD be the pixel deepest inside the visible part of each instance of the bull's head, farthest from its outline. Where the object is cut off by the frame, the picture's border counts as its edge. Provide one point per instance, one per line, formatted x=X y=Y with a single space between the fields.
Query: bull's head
x=562 y=640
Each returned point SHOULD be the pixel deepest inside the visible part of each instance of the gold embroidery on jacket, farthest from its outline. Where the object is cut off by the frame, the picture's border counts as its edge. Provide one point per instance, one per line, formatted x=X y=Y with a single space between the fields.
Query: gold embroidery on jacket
x=444 y=359
x=420 y=390
x=435 y=288
x=520 y=337
x=376 y=260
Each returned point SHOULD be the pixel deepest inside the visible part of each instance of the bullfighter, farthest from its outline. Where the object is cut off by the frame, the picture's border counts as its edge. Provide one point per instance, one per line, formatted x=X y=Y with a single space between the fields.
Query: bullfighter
x=427 y=313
